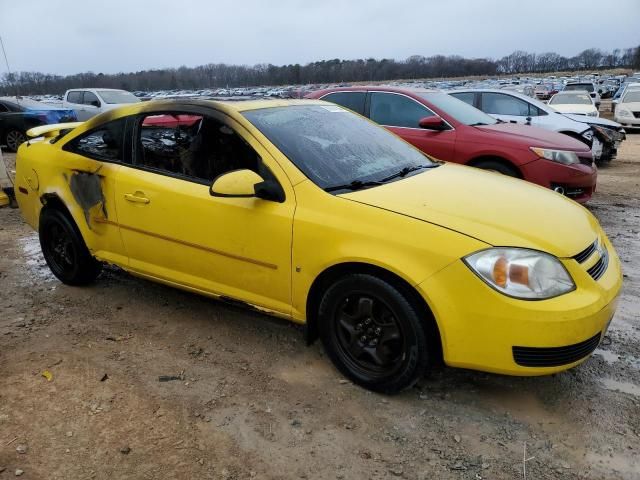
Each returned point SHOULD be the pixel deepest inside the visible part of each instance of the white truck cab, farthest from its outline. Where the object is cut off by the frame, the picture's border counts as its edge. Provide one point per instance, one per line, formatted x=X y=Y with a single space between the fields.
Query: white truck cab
x=87 y=102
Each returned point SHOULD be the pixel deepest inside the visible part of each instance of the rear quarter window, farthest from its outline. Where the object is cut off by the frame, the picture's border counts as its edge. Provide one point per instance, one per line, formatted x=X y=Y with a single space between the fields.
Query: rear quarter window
x=351 y=100
x=105 y=142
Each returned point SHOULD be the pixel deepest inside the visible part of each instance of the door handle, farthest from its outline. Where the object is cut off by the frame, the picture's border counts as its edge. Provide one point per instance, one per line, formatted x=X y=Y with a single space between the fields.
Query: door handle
x=136 y=198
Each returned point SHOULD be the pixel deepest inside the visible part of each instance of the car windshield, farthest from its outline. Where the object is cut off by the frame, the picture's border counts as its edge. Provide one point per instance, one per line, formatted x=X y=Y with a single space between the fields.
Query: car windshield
x=335 y=147
x=571 y=99
x=117 y=96
x=632 y=96
x=580 y=86
x=461 y=111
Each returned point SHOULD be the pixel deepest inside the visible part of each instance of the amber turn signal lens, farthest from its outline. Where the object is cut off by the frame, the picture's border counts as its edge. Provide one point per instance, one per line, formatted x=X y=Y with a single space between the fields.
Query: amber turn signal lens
x=500 y=272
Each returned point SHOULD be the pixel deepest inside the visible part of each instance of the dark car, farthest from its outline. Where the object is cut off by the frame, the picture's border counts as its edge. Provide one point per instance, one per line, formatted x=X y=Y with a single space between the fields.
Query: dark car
x=450 y=129
x=17 y=115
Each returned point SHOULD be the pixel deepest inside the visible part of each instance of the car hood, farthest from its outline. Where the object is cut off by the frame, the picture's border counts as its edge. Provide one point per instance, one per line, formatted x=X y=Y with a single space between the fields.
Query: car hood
x=594 y=121
x=530 y=136
x=575 y=109
x=487 y=206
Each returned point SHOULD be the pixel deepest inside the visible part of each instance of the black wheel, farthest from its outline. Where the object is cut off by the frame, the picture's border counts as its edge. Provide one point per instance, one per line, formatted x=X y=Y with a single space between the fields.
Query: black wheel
x=499 y=167
x=13 y=139
x=64 y=249
x=373 y=334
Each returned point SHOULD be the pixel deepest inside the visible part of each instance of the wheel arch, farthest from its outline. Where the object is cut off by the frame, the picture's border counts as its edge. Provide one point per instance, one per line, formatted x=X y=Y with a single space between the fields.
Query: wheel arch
x=334 y=272
x=53 y=200
x=495 y=158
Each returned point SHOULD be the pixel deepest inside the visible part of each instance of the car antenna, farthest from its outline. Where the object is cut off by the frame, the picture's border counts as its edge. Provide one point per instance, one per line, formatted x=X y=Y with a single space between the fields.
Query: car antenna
x=6 y=61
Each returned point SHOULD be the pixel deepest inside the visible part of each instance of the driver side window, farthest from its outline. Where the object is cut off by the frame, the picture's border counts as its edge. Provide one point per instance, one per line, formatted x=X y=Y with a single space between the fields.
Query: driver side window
x=90 y=98
x=192 y=147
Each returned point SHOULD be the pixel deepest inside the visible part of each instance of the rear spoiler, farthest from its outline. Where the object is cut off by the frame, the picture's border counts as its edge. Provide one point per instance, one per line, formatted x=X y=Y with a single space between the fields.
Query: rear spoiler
x=53 y=130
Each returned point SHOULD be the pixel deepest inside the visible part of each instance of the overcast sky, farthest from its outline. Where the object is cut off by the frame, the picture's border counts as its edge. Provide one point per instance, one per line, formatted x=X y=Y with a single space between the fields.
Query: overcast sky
x=69 y=36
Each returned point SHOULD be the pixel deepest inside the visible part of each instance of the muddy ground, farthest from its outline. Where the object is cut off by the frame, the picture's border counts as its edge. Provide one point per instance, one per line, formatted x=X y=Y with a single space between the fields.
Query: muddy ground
x=254 y=401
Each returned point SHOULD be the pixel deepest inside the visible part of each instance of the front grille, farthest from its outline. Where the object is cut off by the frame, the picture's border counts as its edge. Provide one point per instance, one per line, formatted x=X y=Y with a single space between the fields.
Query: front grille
x=636 y=114
x=600 y=266
x=554 y=356
x=586 y=253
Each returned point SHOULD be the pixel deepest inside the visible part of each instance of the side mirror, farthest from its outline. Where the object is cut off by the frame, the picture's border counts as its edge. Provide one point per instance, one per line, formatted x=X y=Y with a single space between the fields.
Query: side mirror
x=433 y=122
x=246 y=184
x=96 y=103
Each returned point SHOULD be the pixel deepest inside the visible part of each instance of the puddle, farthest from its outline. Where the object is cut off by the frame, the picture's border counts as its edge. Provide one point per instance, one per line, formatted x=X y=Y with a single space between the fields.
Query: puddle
x=625 y=387
x=607 y=355
x=33 y=259
x=522 y=404
x=616 y=462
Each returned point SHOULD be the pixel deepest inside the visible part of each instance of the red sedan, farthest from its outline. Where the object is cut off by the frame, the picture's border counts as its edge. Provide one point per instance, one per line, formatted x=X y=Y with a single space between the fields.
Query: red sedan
x=450 y=129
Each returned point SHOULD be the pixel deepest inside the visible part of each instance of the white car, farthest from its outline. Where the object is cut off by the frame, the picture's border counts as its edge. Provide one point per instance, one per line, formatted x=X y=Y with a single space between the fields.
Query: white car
x=628 y=109
x=621 y=91
x=87 y=102
x=576 y=102
x=603 y=135
x=590 y=87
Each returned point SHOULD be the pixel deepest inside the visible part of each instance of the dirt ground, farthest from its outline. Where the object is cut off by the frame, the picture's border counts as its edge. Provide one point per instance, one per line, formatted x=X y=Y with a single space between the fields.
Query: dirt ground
x=253 y=401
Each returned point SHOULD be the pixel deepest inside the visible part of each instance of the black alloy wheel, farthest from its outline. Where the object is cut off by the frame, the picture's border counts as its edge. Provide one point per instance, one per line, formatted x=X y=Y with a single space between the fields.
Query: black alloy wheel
x=64 y=249
x=13 y=139
x=373 y=334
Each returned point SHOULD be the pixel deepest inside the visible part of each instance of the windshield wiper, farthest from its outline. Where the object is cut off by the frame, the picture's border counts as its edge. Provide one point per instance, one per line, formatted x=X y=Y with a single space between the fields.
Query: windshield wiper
x=355 y=185
x=478 y=124
x=405 y=171
x=359 y=184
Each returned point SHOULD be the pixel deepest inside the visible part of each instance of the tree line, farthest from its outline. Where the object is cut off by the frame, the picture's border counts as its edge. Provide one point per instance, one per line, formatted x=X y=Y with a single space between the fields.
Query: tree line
x=216 y=75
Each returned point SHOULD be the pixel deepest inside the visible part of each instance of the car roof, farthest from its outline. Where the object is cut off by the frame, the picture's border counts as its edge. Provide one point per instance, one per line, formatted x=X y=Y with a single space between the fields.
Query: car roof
x=378 y=88
x=98 y=88
x=573 y=92
x=157 y=106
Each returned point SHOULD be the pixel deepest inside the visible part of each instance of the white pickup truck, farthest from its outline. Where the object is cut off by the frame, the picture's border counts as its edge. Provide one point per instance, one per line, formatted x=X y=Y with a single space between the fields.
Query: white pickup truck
x=87 y=102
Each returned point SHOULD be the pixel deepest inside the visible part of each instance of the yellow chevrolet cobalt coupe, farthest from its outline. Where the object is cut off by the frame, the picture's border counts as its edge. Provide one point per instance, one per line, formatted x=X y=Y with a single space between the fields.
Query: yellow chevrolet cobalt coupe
x=307 y=211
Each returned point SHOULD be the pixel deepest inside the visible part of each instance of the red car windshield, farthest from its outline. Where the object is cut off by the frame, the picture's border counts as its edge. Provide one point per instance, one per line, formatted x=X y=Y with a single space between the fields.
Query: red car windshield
x=459 y=110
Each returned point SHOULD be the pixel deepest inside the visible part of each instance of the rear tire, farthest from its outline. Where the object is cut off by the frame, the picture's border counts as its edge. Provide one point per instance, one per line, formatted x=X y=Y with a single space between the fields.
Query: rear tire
x=499 y=167
x=13 y=139
x=373 y=333
x=64 y=249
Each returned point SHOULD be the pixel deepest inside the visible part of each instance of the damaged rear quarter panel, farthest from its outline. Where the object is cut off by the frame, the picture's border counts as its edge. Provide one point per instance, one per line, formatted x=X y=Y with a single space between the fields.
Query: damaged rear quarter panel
x=85 y=186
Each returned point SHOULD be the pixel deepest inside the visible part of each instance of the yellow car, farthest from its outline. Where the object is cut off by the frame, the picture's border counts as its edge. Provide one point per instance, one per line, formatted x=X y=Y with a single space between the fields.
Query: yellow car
x=307 y=211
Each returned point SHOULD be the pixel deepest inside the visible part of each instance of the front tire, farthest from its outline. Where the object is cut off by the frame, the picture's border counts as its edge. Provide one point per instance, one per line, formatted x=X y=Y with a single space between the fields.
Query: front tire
x=64 y=249
x=373 y=334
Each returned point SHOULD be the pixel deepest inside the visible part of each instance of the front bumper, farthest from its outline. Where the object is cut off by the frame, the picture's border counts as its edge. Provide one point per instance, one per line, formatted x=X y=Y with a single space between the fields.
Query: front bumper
x=628 y=122
x=577 y=182
x=482 y=329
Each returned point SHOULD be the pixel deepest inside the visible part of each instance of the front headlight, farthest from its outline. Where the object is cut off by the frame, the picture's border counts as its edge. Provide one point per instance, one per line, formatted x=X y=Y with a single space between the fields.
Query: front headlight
x=521 y=273
x=606 y=134
x=622 y=112
x=560 y=156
